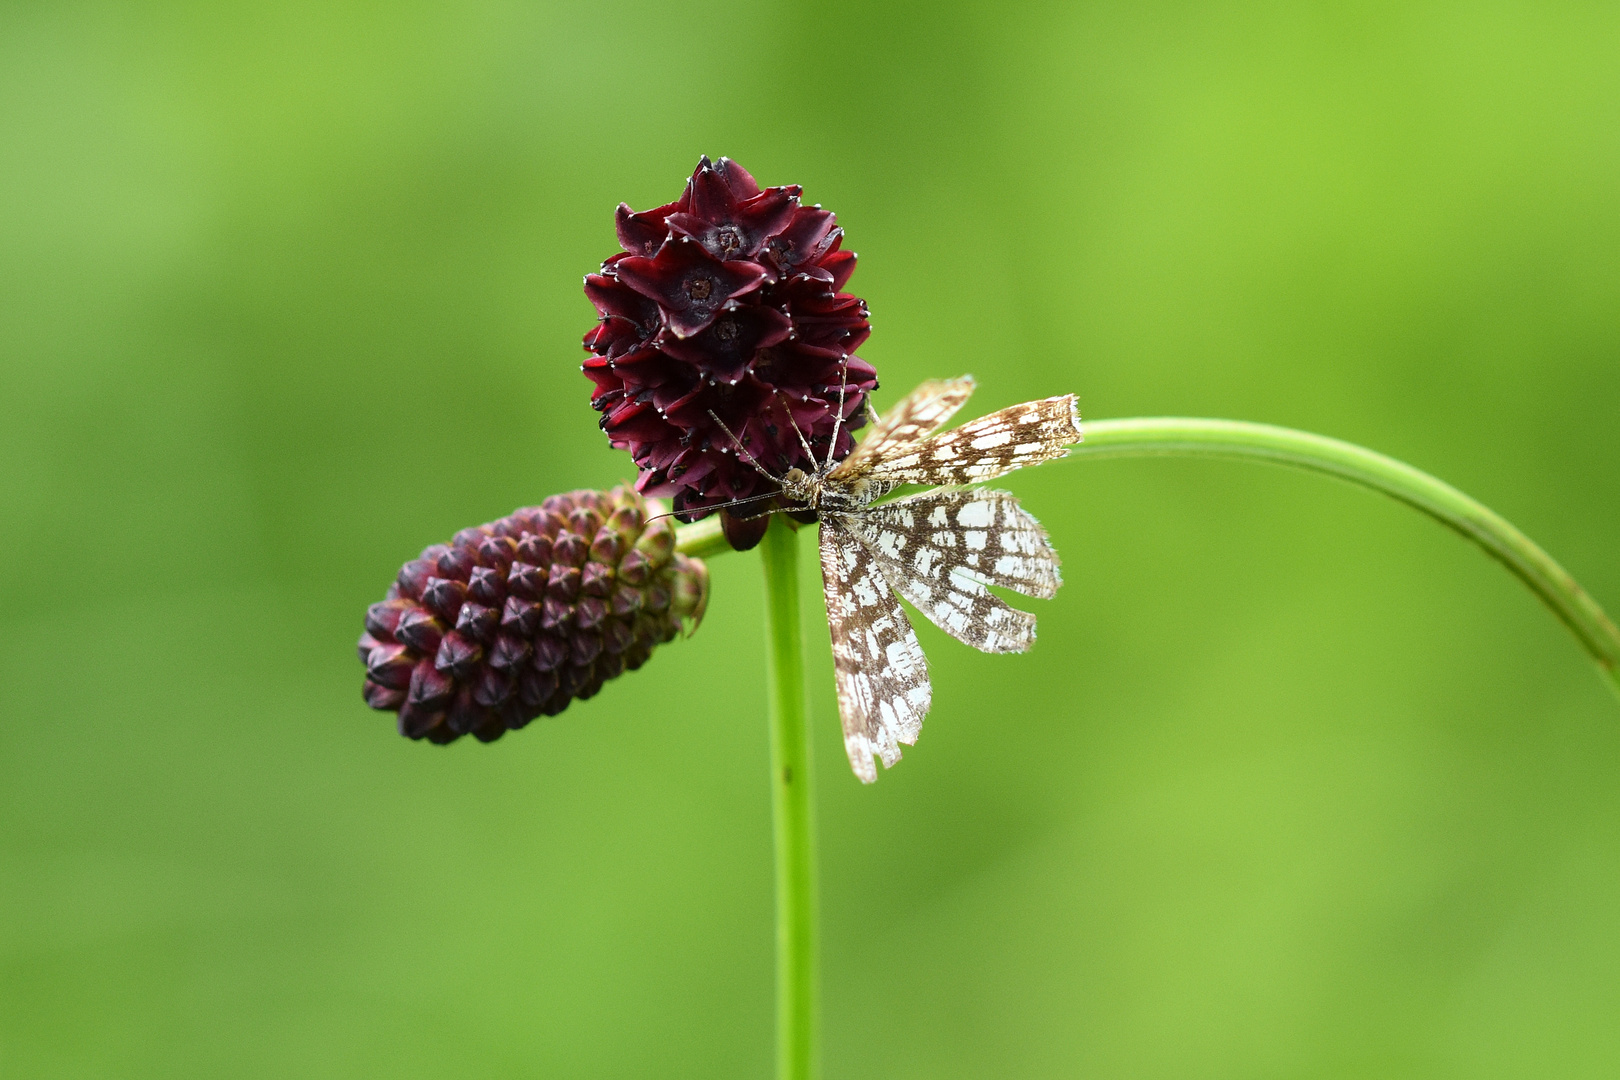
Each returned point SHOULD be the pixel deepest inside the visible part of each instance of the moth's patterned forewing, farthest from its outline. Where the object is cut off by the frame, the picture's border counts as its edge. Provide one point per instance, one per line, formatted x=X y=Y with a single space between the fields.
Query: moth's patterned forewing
x=881 y=673
x=940 y=549
x=914 y=417
x=985 y=448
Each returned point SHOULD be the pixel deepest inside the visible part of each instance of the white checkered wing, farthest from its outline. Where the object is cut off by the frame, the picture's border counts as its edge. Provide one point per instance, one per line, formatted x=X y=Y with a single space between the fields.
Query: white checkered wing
x=985 y=448
x=913 y=418
x=940 y=550
x=882 y=675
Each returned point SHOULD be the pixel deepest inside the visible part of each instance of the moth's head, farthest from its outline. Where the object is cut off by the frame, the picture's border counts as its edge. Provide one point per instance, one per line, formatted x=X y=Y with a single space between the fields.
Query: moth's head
x=796 y=484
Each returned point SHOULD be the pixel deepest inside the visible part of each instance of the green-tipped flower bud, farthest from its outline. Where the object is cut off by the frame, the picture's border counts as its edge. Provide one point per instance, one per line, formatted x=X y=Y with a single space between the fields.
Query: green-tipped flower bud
x=515 y=619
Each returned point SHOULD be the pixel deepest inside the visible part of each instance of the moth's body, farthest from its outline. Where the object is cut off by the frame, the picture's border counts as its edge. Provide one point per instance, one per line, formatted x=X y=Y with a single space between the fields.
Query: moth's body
x=939 y=549
x=816 y=493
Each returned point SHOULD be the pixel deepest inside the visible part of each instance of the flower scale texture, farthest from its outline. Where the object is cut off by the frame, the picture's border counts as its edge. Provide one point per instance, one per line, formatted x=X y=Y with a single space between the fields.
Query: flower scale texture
x=514 y=619
x=724 y=313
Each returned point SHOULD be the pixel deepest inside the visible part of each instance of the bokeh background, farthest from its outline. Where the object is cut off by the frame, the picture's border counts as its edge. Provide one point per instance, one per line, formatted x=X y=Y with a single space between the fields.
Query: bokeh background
x=1295 y=784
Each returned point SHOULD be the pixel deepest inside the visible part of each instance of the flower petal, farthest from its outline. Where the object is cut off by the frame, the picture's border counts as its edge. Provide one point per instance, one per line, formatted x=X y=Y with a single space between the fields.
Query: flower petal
x=688 y=284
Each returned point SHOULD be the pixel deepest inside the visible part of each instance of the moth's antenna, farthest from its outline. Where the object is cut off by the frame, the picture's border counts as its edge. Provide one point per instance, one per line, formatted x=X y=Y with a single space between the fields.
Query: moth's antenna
x=744 y=451
x=753 y=517
x=722 y=506
x=843 y=384
x=809 y=453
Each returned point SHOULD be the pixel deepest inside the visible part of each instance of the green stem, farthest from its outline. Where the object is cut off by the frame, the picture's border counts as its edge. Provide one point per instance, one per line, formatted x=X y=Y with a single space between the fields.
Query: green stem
x=796 y=977
x=1539 y=571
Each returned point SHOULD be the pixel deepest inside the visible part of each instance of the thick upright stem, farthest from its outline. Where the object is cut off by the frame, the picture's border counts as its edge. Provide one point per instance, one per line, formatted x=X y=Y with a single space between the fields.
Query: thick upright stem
x=1317 y=453
x=796 y=976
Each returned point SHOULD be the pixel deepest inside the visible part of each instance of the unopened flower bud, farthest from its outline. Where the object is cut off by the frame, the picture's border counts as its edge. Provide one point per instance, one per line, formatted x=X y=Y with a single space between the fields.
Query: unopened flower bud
x=516 y=618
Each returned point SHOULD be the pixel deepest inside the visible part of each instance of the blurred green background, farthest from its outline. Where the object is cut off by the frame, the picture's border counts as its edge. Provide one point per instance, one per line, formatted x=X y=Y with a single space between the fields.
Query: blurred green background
x=1295 y=784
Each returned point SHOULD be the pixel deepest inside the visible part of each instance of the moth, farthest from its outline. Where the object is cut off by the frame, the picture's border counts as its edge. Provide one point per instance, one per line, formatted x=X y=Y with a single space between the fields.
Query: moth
x=938 y=549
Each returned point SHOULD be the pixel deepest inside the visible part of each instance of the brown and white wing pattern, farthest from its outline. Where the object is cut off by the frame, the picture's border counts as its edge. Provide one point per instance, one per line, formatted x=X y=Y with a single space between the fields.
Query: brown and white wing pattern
x=913 y=418
x=882 y=675
x=940 y=549
x=985 y=448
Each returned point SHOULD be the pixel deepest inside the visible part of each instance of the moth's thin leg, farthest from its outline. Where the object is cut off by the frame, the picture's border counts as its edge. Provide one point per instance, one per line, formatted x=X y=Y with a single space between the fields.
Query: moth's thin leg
x=838 y=420
x=744 y=451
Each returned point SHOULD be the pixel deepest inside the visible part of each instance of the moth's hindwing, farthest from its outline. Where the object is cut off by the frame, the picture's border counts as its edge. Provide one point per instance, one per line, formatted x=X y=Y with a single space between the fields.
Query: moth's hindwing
x=940 y=549
x=882 y=675
x=986 y=448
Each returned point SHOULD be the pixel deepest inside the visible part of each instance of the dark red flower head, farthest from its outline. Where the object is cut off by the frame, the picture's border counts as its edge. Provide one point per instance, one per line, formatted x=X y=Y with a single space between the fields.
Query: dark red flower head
x=726 y=304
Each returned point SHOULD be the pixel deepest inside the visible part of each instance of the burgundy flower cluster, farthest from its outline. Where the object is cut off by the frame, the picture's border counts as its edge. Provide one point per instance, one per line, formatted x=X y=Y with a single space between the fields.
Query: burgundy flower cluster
x=517 y=618
x=723 y=322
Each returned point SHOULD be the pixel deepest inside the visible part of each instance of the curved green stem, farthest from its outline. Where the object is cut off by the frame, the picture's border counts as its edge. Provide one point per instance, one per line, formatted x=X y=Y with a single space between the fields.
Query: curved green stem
x=1539 y=571
x=1284 y=446
x=796 y=977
